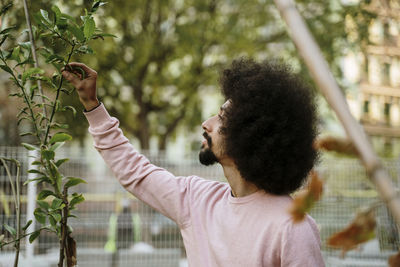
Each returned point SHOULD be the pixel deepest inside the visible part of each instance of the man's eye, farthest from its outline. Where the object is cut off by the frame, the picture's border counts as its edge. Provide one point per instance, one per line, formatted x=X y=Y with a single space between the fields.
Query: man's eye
x=220 y=117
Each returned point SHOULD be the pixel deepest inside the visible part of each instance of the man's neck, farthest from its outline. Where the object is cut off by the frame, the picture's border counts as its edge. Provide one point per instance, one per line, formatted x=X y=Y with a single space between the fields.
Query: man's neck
x=240 y=187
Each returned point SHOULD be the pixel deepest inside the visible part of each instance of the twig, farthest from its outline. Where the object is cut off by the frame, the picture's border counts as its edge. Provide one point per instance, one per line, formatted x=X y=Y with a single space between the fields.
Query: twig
x=57 y=96
x=17 y=203
x=18 y=211
x=24 y=235
x=64 y=228
x=26 y=100
x=33 y=48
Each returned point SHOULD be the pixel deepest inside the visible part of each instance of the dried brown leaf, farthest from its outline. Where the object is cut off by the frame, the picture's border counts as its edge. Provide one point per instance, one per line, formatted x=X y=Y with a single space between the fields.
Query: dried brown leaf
x=361 y=229
x=394 y=260
x=336 y=144
x=304 y=200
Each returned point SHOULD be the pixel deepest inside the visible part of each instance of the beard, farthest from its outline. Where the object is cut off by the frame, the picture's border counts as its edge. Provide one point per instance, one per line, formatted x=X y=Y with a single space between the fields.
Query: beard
x=206 y=156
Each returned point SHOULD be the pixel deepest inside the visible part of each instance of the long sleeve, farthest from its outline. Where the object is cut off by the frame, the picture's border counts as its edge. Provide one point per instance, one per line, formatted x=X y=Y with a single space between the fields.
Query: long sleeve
x=151 y=184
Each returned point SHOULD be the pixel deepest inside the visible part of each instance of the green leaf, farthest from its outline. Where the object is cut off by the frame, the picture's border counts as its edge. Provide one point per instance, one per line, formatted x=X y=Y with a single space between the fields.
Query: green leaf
x=43 y=204
x=56 y=125
x=89 y=27
x=27 y=225
x=3 y=39
x=7 y=30
x=40 y=216
x=56 y=146
x=45 y=16
x=48 y=154
x=52 y=221
x=15 y=54
x=7 y=69
x=56 y=203
x=60 y=137
x=44 y=194
x=84 y=49
x=30 y=147
x=36 y=171
x=96 y=5
x=10 y=229
x=66 y=16
x=58 y=181
x=71 y=108
x=55 y=58
x=76 y=199
x=5 y=8
x=74 y=181
x=27 y=133
x=101 y=35
x=34 y=235
x=16 y=94
x=56 y=216
x=57 y=13
x=30 y=72
x=77 y=32
x=39 y=180
x=61 y=161
x=26 y=45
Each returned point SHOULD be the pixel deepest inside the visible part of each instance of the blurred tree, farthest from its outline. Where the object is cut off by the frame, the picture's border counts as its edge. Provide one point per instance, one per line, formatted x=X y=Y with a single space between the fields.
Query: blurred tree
x=151 y=76
x=166 y=50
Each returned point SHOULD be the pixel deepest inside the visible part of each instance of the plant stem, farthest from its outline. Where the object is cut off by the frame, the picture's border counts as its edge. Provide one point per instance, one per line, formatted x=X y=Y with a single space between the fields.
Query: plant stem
x=57 y=96
x=64 y=228
x=33 y=48
x=18 y=211
x=24 y=235
x=17 y=203
x=26 y=101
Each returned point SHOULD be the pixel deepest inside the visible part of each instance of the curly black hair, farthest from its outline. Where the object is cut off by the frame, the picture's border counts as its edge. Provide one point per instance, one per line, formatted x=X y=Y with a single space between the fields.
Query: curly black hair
x=270 y=126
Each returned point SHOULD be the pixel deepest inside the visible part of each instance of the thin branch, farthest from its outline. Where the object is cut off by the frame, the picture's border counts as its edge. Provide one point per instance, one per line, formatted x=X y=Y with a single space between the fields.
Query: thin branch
x=23 y=236
x=33 y=48
x=18 y=211
x=3 y=161
x=32 y=114
x=57 y=96
x=17 y=203
x=64 y=228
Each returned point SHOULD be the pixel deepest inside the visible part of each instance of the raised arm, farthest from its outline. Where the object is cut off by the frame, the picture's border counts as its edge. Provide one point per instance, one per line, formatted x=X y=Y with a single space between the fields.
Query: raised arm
x=153 y=185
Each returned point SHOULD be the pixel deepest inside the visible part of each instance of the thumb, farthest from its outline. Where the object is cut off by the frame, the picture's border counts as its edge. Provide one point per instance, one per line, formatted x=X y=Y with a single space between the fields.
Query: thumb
x=74 y=80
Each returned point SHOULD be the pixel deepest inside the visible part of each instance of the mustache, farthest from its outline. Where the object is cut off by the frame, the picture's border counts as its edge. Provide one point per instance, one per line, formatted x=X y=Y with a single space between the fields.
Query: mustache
x=208 y=138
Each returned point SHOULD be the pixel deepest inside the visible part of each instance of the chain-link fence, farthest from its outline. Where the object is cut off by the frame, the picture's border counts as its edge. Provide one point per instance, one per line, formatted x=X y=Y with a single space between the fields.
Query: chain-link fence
x=114 y=229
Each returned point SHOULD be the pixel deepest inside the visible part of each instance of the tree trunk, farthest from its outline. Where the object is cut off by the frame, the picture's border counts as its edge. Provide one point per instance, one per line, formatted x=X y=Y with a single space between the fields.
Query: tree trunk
x=144 y=130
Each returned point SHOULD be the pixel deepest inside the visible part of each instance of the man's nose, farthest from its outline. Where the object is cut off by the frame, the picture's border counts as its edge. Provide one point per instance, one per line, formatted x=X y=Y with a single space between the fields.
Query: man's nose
x=206 y=125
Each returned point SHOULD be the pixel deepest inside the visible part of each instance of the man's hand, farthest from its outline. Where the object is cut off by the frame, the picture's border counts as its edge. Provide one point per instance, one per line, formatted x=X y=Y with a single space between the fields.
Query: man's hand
x=85 y=84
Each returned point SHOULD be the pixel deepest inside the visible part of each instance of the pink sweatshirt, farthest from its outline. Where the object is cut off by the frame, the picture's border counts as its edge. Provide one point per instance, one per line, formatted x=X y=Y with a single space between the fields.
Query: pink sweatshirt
x=217 y=229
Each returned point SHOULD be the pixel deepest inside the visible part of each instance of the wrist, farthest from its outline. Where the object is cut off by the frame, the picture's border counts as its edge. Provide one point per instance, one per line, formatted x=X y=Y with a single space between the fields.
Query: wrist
x=90 y=105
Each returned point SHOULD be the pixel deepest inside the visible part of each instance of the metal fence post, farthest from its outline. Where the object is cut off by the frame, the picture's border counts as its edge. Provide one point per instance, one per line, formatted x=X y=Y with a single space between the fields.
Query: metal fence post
x=31 y=205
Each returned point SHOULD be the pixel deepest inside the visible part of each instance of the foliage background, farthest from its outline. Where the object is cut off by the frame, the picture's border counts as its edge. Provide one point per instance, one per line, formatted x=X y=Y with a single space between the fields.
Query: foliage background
x=156 y=75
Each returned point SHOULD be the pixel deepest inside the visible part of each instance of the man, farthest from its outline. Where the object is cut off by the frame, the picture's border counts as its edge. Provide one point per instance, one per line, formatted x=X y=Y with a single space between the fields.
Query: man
x=262 y=137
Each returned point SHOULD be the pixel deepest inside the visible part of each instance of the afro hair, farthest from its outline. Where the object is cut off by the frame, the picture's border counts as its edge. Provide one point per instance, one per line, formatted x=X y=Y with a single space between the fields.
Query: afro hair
x=270 y=126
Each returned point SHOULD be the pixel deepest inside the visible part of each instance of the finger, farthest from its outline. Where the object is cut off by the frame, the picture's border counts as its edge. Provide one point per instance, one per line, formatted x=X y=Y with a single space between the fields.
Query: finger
x=74 y=80
x=89 y=71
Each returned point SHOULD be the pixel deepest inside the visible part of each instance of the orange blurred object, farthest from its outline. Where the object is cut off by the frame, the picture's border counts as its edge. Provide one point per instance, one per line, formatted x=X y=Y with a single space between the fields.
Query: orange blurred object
x=361 y=229
x=335 y=144
x=394 y=260
x=304 y=200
